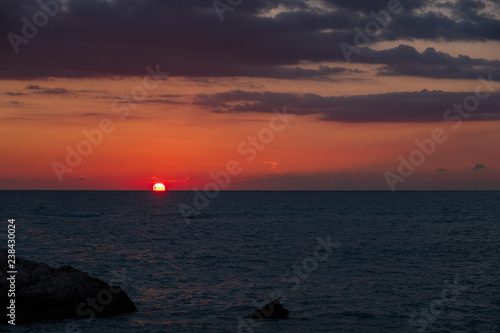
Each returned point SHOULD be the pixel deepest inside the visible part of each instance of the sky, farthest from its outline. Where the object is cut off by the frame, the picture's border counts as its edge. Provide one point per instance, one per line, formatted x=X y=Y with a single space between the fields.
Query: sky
x=250 y=94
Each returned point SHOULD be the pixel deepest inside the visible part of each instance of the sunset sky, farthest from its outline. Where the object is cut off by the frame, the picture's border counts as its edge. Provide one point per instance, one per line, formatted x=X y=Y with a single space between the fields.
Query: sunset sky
x=349 y=102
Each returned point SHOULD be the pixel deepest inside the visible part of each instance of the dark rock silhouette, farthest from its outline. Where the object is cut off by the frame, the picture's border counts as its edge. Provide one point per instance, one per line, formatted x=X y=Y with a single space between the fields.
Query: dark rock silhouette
x=272 y=310
x=46 y=293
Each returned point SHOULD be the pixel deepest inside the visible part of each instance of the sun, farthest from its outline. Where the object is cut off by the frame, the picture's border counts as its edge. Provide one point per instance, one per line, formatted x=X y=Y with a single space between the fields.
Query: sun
x=159 y=187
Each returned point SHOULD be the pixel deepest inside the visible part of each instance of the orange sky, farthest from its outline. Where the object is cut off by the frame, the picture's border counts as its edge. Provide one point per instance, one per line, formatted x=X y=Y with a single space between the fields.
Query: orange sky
x=179 y=144
x=351 y=120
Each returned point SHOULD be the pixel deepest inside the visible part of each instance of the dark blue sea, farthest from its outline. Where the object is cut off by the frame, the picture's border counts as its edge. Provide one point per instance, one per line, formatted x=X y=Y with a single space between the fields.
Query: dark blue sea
x=338 y=261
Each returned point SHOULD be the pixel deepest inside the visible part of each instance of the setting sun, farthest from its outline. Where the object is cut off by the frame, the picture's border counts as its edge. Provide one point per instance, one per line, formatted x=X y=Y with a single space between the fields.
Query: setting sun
x=159 y=187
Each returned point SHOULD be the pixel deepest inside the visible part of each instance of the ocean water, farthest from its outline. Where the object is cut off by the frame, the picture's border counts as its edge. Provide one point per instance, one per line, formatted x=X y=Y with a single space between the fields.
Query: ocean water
x=397 y=262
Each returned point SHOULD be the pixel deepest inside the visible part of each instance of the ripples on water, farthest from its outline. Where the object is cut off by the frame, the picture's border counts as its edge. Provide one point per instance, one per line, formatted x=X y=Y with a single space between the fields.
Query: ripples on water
x=397 y=250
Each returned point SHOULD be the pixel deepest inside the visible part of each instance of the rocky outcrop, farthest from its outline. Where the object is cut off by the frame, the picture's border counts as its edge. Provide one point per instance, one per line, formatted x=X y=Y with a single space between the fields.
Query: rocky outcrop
x=272 y=310
x=46 y=293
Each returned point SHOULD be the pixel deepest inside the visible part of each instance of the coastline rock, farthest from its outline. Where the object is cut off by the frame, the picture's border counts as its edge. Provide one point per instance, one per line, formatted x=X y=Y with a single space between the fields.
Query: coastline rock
x=272 y=310
x=46 y=293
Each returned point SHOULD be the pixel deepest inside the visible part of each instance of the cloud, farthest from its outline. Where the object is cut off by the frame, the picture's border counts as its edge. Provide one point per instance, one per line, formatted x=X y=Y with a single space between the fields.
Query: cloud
x=466 y=22
x=90 y=114
x=441 y=170
x=81 y=179
x=159 y=100
x=41 y=90
x=422 y=106
x=53 y=91
x=479 y=167
x=120 y=38
x=171 y=95
x=15 y=93
x=366 y=6
x=405 y=60
x=274 y=169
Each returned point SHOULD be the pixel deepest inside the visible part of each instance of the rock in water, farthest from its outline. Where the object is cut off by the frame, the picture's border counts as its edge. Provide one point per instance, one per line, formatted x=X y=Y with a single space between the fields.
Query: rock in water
x=272 y=310
x=46 y=293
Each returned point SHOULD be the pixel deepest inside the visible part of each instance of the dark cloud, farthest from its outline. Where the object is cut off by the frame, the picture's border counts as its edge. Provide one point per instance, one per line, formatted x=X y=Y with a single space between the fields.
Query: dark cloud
x=53 y=91
x=441 y=170
x=436 y=26
x=90 y=114
x=479 y=167
x=367 y=6
x=91 y=91
x=162 y=101
x=406 y=60
x=97 y=38
x=15 y=93
x=423 y=106
x=170 y=95
x=41 y=90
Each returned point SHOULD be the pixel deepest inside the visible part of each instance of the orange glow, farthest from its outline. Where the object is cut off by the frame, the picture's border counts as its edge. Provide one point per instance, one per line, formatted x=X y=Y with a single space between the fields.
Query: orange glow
x=159 y=187
x=186 y=147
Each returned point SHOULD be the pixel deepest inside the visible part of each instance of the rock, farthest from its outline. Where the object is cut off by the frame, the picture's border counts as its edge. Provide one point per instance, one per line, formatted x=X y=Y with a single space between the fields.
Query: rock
x=46 y=293
x=272 y=310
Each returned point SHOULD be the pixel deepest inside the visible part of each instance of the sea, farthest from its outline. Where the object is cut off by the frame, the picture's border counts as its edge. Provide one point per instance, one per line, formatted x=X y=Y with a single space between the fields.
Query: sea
x=338 y=261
